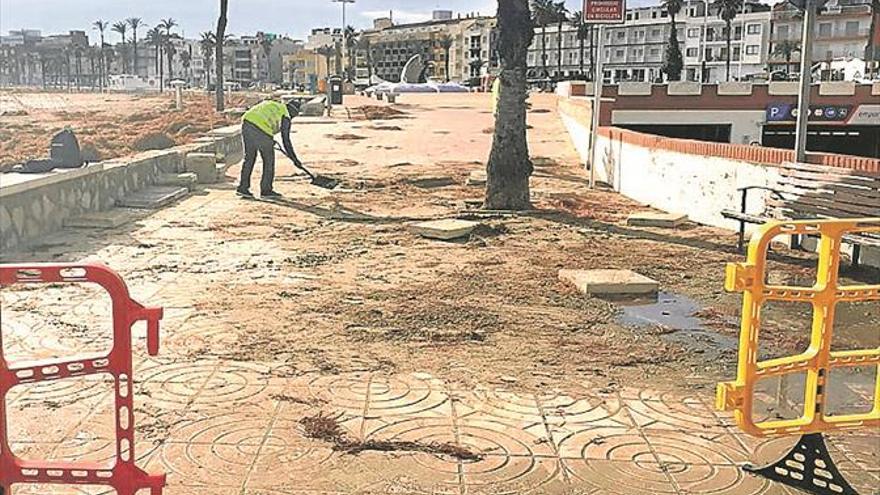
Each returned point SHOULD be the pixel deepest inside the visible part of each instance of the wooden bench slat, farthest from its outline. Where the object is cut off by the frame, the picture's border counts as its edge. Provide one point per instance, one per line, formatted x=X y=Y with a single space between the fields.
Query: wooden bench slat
x=823 y=208
x=809 y=167
x=837 y=188
x=867 y=182
x=843 y=200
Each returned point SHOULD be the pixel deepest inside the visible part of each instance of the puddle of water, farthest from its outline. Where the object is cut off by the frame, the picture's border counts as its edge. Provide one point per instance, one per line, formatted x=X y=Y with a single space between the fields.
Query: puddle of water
x=674 y=312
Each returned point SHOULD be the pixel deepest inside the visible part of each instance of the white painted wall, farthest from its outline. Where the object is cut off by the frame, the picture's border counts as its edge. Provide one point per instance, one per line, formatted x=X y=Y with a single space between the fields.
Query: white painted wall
x=697 y=186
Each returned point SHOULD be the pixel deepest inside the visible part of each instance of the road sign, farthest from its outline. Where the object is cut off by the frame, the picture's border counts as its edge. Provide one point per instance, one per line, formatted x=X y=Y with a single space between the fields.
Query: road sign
x=604 y=11
x=787 y=112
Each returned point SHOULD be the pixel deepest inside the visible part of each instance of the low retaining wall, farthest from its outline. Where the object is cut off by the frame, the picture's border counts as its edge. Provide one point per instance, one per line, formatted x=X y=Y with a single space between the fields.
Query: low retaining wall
x=38 y=206
x=694 y=178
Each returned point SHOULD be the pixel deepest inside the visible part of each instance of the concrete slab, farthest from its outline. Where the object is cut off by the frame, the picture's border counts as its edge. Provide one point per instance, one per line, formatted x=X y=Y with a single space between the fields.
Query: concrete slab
x=444 y=230
x=656 y=219
x=109 y=219
x=153 y=198
x=609 y=282
x=187 y=180
x=477 y=178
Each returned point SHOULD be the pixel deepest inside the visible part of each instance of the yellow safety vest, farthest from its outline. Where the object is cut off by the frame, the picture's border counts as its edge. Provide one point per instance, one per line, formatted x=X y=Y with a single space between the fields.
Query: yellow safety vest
x=267 y=116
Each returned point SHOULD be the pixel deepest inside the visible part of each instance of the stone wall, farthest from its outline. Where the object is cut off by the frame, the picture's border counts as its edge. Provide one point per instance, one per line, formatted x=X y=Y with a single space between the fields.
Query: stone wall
x=35 y=206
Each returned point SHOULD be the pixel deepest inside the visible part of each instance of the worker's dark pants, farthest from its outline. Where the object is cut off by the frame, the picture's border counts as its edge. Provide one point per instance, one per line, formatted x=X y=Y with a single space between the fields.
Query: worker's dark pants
x=257 y=141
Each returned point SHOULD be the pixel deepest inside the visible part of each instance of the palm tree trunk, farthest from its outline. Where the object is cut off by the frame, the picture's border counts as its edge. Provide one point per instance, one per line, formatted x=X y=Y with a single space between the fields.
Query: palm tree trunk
x=583 y=42
x=447 y=66
x=544 y=49
x=728 y=50
x=593 y=54
x=220 y=36
x=509 y=166
x=559 y=50
x=134 y=47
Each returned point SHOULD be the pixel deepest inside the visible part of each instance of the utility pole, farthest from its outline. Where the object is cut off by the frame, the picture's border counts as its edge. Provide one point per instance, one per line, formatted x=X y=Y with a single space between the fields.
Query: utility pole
x=344 y=34
x=811 y=8
x=598 y=79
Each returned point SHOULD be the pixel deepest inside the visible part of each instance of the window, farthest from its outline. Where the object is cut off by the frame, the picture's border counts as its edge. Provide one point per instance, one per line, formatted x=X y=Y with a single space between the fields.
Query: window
x=694 y=33
x=621 y=35
x=783 y=32
x=663 y=13
x=754 y=29
x=825 y=29
x=852 y=28
x=653 y=14
x=691 y=52
x=752 y=49
x=708 y=54
x=655 y=32
x=618 y=54
x=629 y=16
x=655 y=52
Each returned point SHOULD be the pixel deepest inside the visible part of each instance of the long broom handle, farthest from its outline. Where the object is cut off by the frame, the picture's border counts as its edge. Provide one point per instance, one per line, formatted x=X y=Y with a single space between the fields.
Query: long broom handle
x=295 y=163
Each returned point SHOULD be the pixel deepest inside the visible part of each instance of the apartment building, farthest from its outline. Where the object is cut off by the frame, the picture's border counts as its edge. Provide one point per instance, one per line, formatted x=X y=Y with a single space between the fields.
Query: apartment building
x=842 y=32
x=388 y=46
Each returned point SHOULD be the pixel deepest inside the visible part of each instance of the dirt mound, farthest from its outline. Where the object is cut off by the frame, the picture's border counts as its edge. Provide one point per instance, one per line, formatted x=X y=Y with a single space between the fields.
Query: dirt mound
x=387 y=128
x=14 y=113
x=155 y=141
x=377 y=113
x=345 y=137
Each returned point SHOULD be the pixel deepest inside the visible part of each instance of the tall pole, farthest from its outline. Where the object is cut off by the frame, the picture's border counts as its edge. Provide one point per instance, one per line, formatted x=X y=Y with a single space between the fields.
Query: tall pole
x=598 y=79
x=344 y=34
x=704 y=42
x=800 y=140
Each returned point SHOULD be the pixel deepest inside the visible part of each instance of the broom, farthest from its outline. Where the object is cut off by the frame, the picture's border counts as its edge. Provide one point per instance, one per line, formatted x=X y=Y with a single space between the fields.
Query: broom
x=317 y=180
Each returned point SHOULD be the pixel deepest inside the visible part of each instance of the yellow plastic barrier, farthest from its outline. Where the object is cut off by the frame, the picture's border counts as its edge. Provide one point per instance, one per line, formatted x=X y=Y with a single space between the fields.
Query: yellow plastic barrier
x=819 y=359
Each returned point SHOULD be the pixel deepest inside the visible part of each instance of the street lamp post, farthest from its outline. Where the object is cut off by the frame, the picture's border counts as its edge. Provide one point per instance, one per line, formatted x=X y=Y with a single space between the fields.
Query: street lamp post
x=344 y=34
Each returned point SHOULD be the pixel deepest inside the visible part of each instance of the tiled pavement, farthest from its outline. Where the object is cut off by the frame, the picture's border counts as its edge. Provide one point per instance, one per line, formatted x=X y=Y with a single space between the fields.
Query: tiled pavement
x=227 y=428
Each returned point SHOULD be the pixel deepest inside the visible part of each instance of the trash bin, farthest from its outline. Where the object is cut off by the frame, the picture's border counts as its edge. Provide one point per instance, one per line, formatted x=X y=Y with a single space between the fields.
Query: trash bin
x=335 y=90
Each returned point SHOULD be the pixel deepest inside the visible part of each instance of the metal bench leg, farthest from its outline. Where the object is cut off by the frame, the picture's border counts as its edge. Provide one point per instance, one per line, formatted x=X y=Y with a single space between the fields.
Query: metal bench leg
x=796 y=242
x=742 y=236
x=856 y=254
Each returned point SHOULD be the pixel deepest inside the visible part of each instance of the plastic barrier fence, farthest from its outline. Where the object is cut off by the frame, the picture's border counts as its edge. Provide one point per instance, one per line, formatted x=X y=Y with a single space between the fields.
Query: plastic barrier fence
x=122 y=474
x=819 y=360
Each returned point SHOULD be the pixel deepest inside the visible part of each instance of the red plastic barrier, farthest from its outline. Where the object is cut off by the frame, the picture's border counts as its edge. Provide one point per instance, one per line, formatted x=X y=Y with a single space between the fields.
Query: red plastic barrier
x=121 y=474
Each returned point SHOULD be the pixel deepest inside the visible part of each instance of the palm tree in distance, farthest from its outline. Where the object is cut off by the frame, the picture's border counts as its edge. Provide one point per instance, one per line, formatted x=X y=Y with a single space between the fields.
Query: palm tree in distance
x=446 y=42
x=121 y=27
x=266 y=45
x=786 y=50
x=169 y=24
x=101 y=26
x=560 y=14
x=134 y=23
x=727 y=11
x=674 y=63
x=542 y=15
x=206 y=44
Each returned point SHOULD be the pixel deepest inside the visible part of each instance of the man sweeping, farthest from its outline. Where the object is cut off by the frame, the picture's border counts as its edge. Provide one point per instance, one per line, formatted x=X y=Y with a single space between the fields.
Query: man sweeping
x=259 y=126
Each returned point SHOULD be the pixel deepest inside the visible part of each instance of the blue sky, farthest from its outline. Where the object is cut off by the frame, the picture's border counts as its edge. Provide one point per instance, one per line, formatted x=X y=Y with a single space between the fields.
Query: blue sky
x=291 y=17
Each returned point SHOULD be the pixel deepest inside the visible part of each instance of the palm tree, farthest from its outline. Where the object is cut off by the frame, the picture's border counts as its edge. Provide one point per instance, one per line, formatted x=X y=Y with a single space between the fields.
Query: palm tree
x=509 y=166
x=560 y=14
x=207 y=46
x=786 y=50
x=186 y=62
x=169 y=24
x=78 y=54
x=727 y=11
x=584 y=32
x=351 y=40
x=220 y=36
x=121 y=27
x=101 y=26
x=542 y=15
x=446 y=42
x=674 y=61
x=157 y=40
x=134 y=23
